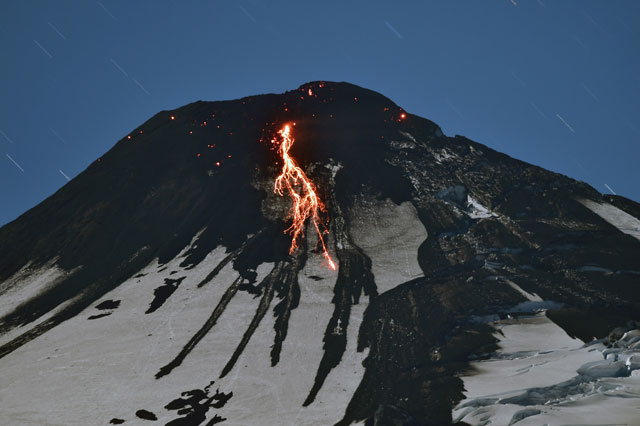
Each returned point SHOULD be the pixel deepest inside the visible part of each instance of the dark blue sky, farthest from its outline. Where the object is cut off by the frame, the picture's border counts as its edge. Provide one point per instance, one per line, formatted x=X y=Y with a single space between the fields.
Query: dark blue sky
x=554 y=83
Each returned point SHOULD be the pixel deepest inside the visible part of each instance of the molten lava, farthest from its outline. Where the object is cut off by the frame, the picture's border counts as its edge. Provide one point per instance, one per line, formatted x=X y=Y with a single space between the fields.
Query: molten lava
x=302 y=191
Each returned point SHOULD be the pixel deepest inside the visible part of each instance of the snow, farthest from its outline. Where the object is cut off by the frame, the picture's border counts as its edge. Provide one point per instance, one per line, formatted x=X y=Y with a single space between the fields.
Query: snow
x=27 y=283
x=402 y=145
x=85 y=372
x=410 y=137
x=409 y=143
x=24 y=285
x=459 y=197
x=443 y=155
x=334 y=168
x=530 y=297
x=274 y=395
x=476 y=210
x=390 y=235
x=616 y=217
x=542 y=376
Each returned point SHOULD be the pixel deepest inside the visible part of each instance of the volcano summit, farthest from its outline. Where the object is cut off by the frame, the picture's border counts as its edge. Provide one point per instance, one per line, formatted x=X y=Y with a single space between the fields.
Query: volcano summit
x=172 y=281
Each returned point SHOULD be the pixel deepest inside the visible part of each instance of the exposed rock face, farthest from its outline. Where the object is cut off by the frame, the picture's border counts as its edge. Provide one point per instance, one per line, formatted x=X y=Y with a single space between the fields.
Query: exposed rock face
x=177 y=234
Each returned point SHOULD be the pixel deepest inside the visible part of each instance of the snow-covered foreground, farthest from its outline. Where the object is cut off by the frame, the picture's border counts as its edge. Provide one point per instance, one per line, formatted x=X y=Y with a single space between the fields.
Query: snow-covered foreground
x=101 y=364
x=86 y=372
x=541 y=376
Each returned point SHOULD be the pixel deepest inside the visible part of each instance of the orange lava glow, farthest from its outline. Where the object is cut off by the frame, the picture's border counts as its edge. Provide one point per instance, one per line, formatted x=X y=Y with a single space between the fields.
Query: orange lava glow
x=306 y=204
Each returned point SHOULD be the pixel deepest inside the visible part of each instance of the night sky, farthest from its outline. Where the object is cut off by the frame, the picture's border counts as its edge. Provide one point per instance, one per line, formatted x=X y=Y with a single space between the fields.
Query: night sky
x=554 y=83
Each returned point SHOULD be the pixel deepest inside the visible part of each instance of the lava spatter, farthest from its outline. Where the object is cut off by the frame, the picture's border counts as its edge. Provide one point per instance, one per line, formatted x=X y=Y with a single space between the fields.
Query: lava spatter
x=306 y=203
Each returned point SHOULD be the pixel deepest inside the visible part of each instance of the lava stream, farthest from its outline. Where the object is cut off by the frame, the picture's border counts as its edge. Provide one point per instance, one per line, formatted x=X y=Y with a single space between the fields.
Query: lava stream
x=306 y=203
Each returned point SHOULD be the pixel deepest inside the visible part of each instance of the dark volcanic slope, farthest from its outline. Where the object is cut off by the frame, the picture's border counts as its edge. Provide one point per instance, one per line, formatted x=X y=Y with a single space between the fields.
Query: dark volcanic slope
x=209 y=165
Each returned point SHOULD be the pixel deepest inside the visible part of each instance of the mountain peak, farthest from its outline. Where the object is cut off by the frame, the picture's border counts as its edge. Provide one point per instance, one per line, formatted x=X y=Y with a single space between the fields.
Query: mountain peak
x=431 y=234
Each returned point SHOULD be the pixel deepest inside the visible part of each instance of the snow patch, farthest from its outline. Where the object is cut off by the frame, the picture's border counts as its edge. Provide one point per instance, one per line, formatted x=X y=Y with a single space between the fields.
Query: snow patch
x=390 y=235
x=25 y=285
x=459 y=197
x=409 y=136
x=334 y=168
x=29 y=282
x=620 y=219
x=411 y=143
x=476 y=210
x=443 y=155
x=530 y=297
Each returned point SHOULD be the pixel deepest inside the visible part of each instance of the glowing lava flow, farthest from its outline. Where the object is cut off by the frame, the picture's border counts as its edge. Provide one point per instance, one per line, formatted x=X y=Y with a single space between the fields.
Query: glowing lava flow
x=306 y=203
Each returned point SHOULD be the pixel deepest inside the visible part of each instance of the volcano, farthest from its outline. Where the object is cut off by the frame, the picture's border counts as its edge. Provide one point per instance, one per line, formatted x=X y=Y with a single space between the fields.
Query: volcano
x=164 y=285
